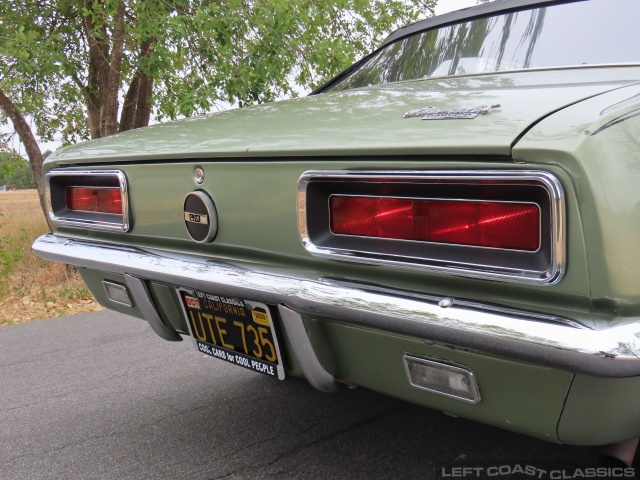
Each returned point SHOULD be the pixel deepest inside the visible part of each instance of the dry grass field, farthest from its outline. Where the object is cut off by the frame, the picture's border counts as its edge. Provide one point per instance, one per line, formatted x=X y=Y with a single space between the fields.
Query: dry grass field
x=32 y=288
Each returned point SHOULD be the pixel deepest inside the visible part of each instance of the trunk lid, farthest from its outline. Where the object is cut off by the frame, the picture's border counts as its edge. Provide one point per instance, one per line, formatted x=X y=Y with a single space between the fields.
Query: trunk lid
x=366 y=122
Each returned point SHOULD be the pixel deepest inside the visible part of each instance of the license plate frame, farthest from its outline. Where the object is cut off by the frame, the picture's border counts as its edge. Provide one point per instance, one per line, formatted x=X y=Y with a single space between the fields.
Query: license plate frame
x=226 y=310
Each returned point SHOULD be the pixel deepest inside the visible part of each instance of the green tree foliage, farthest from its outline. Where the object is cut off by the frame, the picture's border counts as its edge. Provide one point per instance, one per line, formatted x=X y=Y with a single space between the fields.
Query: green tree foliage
x=92 y=68
x=15 y=171
x=9 y=163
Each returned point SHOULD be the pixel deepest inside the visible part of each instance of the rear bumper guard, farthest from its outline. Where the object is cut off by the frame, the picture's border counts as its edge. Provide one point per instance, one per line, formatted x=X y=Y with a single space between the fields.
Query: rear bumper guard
x=520 y=335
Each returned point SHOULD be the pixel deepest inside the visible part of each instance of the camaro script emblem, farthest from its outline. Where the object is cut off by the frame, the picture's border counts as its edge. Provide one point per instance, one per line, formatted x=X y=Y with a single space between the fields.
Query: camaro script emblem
x=435 y=113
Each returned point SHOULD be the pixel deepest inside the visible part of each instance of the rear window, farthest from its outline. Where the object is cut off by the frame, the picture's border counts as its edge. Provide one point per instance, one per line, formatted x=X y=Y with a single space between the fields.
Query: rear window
x=593 y=32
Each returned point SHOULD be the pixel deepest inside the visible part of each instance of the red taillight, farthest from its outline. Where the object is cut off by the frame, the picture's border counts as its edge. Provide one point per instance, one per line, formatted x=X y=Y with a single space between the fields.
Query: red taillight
x=513 y=226
x=103 y=200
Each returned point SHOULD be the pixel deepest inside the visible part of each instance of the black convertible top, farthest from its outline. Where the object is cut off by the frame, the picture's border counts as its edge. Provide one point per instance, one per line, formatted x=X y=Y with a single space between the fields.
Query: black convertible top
x=477 y=11
x=469 y=13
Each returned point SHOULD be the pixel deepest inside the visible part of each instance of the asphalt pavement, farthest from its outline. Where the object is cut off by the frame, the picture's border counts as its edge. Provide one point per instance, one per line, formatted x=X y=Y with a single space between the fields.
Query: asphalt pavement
x=98 y=395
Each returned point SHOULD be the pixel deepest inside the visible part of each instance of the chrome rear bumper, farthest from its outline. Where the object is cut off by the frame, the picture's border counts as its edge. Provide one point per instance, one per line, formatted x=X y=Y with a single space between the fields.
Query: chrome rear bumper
x=521 y=335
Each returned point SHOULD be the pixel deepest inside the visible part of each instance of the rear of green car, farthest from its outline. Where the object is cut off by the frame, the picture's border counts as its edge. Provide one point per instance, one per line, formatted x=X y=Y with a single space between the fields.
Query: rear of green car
x=538 y=336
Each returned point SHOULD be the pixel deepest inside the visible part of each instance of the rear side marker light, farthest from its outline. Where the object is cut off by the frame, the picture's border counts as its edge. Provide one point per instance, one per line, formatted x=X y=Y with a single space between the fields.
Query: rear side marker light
x=88 y=199
x=506 y=225
x=441 y=378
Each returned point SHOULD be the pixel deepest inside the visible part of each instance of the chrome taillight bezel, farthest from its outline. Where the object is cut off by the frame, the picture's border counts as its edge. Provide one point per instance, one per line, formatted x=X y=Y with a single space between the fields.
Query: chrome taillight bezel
x=544 y=267
x=57 y=180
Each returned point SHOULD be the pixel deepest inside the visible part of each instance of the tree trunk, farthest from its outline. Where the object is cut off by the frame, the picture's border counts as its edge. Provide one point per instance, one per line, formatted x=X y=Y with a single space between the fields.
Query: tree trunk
x=136 y=110
x=128 y=115
x=27 y=138
x=109 y=96
x=143 y=112
x=98 y=68
x=105 y=69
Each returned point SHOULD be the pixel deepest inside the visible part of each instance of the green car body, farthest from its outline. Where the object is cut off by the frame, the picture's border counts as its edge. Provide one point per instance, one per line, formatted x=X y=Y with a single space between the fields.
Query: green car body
x=553 y=358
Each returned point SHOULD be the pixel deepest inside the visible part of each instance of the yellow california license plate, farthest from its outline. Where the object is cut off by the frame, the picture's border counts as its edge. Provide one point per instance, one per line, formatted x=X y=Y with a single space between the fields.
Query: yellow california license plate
x=235 y=330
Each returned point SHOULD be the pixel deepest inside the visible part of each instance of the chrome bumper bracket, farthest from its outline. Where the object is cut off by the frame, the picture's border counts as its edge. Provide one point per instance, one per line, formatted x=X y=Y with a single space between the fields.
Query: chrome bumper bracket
x=313 y=370
x=143 y=300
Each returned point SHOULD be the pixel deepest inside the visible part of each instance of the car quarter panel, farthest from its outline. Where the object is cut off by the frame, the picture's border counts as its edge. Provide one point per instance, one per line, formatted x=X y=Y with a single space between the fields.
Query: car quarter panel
x=516 y=396
x=600 y=411
x=597 y=143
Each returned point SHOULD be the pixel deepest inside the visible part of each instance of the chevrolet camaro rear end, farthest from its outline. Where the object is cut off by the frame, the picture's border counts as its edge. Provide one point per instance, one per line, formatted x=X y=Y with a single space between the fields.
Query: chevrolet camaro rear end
x=454 y=221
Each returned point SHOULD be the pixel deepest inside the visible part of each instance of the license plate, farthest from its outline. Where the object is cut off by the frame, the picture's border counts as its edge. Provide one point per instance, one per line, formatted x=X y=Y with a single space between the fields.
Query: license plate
x=234 y=330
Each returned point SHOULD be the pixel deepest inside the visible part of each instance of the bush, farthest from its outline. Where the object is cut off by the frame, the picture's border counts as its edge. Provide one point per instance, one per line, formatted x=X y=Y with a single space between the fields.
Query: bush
x=15 y=171
x=11 y=250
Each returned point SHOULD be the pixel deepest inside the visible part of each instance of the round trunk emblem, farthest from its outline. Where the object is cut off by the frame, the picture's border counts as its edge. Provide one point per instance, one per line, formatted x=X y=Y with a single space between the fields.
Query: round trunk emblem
x=200 y=217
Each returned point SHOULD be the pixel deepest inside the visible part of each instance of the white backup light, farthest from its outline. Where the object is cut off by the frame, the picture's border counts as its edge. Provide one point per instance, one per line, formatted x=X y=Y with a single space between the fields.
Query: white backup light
x=448 y=380
x=117 y=293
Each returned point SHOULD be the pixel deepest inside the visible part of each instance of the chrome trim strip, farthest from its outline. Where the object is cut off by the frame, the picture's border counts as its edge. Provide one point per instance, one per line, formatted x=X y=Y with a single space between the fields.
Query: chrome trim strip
x=142 y=298
x=475 y=390
x=124 y=227
x=313 y=370
x=610 y=352
x=552 y=185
